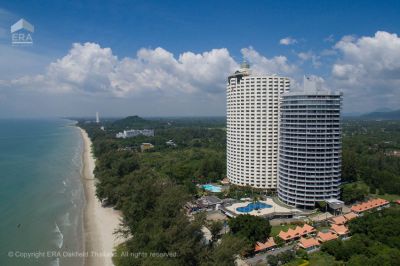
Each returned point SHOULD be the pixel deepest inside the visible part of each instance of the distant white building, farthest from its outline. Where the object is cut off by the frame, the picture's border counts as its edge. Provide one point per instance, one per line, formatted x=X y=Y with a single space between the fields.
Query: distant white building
x=253 y=109
x=171 y=143
x=146 y=146
x=134 y=133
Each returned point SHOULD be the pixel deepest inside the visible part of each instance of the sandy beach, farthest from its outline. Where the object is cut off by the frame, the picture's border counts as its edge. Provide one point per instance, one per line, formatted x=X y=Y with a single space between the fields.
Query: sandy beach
x=99 y=223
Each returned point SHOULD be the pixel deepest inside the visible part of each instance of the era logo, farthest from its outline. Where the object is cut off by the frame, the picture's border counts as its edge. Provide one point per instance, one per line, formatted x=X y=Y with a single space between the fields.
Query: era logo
x=21 y=33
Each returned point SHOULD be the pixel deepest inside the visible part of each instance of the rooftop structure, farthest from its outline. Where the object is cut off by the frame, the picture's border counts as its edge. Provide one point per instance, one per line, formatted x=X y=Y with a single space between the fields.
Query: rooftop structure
x=326 y=236
x=340 y=230
x=209 y=201
x=369 y=205
x=308 y=243
x=343 y=219
x=270 y=243
x=350 y=216
x=335 y=204
x=339 y=220
x=292 y=234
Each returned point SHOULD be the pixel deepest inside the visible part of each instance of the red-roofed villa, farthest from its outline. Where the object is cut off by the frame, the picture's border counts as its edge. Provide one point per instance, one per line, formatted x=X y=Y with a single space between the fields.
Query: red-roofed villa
x=270 y=243
x=293 y=234
x=309 y=244
x=369 y=205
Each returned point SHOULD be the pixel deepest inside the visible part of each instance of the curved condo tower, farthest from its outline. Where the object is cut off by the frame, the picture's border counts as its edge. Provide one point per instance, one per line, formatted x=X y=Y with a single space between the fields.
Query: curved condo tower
x=310 y=147
x=253 y=128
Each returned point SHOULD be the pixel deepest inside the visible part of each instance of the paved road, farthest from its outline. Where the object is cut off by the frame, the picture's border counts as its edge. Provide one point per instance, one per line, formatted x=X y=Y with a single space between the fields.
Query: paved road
x=262 y=257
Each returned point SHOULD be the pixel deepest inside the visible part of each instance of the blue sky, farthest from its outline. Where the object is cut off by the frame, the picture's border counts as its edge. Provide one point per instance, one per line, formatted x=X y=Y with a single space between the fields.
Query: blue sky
x=291 y=38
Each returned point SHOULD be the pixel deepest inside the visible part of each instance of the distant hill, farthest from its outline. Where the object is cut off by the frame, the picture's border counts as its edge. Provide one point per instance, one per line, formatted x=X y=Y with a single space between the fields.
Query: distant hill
x=134 y=122
x=392 y=115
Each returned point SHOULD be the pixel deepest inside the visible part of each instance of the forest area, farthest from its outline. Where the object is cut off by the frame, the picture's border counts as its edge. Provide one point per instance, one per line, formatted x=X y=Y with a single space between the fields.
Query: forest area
x=151 y=187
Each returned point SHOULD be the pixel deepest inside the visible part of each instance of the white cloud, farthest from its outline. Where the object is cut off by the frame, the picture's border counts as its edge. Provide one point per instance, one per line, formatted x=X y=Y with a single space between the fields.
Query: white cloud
x=91 y=69
x=6 y=20
x=287 y=41
x=263 y=65
x=310 y=56
x=369 y=69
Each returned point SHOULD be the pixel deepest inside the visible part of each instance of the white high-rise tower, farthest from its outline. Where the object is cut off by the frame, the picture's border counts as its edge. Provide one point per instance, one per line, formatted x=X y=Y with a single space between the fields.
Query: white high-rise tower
x=97 y=118
x=253 y=110
x=310 y=146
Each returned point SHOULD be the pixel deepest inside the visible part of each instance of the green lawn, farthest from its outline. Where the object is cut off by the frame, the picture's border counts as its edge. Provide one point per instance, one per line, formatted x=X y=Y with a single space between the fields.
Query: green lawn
x=276 y=229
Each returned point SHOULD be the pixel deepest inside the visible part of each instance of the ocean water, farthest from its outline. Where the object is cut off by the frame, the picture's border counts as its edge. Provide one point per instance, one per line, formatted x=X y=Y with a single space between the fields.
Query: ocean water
x=41 y=194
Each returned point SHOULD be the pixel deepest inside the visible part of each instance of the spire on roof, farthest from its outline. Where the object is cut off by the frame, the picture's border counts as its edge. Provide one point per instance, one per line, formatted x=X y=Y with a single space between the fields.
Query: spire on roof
x=245 y=64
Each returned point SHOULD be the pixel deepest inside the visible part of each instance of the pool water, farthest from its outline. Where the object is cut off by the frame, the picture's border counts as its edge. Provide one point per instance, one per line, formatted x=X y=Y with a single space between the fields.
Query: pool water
x=212 y=188
x=253 y=206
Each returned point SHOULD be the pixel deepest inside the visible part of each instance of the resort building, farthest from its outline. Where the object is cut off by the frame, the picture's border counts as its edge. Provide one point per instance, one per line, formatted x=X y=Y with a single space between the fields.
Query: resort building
x=339 y=220
x=310 y=147
x=350 y=216
x=209 y=202
x=309 y=244
x=293 y=234
x=134 y=133
x=267 y=245
x=369 y=205
x=326 y=236
x=340 y=230
x=253 y=111
x=343 y=219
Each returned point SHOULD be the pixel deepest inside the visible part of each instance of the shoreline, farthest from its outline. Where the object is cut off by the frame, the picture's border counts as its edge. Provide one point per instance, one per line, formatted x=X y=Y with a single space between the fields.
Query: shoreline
x=99 y=223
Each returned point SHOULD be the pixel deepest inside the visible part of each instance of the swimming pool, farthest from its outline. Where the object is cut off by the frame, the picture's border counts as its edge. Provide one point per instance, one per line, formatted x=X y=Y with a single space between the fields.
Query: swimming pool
x=253 y=206
x=211 y=188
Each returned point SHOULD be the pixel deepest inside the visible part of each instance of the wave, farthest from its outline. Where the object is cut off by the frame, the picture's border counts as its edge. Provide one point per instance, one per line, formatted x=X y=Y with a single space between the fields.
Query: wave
x=55 y=262
x=59 y=237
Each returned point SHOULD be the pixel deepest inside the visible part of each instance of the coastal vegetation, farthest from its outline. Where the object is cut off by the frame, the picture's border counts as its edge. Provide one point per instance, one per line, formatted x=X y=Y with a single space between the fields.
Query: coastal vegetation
x=152 y=187
x=368 y=156
x=375 y=240
x=252 y=228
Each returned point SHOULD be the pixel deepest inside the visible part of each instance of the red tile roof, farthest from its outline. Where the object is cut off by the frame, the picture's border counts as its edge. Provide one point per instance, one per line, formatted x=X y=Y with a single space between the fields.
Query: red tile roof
x=368 y=205
x=339 y=229
x=298 y=231
x=323 y=237
x=350 y=216
x=268 y=244
x=307 y=243
x=339 y=220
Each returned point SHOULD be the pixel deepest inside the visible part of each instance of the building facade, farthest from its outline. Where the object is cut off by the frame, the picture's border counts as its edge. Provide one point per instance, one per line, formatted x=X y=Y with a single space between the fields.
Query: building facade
x=134 y=133
x=310 y=147
x=253 y=104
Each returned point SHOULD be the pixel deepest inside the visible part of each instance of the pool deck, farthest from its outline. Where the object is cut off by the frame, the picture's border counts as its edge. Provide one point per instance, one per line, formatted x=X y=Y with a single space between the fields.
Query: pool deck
x=261 y=212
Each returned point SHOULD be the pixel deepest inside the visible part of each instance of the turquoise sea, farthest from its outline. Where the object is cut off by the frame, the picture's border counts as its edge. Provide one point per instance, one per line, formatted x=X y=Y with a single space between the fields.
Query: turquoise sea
x=41 y=194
